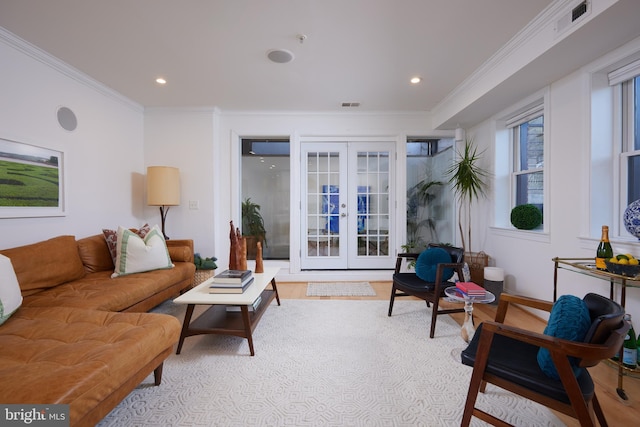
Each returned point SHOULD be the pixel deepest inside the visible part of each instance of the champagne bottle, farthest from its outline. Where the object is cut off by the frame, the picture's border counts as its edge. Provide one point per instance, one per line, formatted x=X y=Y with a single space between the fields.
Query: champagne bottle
x=605 y=251
x=630 y=347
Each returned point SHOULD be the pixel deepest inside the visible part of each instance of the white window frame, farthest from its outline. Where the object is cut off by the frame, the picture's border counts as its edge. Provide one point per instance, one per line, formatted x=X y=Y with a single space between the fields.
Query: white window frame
x=627 y=149
x=505 y=166
x=514 y=130
x=608 y=161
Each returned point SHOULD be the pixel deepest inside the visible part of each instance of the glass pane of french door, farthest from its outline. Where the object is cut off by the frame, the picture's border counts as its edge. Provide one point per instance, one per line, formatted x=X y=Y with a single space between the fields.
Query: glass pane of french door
x=373 y=203
x=324 y=207
x=370 y=172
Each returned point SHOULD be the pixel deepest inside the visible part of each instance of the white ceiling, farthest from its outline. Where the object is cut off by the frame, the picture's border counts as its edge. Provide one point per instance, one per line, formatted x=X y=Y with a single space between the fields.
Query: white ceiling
x=213 y=52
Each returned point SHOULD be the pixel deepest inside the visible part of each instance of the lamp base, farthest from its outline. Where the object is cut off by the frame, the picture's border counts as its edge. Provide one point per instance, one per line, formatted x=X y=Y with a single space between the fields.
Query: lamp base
x=163 y=217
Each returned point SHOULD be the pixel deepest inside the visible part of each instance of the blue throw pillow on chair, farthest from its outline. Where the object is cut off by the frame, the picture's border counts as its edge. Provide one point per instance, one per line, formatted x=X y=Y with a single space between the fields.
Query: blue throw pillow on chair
x=569 y=320
x=427 y=264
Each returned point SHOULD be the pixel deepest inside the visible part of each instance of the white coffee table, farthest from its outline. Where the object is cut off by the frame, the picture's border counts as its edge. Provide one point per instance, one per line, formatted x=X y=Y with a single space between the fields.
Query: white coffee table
x=468 y=329
x=217 y=319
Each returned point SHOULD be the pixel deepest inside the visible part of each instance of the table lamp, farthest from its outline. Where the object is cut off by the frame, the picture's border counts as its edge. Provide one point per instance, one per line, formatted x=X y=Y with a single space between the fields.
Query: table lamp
x=163 y=189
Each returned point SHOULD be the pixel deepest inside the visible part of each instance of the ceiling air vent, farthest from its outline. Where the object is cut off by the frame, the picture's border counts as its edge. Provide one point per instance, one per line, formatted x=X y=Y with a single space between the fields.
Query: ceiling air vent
x=350 y=104
x=578 y=11
x=572 y=16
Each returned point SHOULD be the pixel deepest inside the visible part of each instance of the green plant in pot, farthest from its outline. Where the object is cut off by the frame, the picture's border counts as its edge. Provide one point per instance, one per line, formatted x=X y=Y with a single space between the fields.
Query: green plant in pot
x=469 y=181
x=208 y=263
x=253 y=227
x=204 y=268
x=526 y=217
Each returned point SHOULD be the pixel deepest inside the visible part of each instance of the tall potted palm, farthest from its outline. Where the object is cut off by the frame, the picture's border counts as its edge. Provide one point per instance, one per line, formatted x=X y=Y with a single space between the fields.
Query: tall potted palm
x=469 y=181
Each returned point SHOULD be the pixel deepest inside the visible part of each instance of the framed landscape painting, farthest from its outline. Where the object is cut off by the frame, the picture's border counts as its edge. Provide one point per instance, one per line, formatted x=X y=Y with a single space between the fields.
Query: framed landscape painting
x=31 y=181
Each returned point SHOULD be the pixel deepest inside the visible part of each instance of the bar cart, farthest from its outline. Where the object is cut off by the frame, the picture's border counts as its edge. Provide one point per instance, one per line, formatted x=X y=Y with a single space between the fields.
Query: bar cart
x=587 y=266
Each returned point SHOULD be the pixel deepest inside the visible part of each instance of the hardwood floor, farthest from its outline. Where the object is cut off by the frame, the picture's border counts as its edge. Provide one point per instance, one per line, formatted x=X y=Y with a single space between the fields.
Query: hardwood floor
x=618 y=412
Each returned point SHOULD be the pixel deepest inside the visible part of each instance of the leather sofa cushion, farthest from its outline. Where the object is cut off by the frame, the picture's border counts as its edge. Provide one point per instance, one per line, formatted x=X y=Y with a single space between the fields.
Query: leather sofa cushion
x=46 y=264
x=94 y=253
x=99 y=291
x=77 y=357
x=179 y=253
x=180 y=250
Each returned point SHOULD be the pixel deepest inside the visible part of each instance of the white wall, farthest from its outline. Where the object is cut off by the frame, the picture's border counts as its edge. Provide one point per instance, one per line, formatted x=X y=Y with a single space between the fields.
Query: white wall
x=208 y=155
x=527 y=256
x=103 y=157
x=184 y=139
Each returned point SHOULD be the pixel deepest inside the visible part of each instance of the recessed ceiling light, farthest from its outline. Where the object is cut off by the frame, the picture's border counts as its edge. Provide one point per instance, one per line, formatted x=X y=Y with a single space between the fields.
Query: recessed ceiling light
x=161 y=81
x=415 y=80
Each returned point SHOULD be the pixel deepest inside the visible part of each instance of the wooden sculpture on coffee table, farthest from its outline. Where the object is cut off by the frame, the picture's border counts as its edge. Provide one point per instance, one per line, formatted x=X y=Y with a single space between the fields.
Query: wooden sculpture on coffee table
x=259 y=263
x=233 y=250
x=242 y=250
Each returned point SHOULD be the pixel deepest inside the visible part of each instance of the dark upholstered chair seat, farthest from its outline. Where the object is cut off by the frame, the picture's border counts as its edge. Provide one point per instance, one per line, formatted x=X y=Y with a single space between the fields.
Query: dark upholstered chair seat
x=516 y=361
x=409 y=284
x=410 y=280
x=507 y=356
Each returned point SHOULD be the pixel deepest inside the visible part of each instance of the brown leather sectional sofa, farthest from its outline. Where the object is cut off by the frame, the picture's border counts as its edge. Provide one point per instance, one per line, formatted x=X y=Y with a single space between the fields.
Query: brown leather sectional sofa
x=80 y=337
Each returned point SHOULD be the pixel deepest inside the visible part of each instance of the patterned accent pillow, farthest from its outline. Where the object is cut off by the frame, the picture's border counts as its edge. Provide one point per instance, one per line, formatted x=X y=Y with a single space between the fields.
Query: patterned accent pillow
x=569 y=320
x=10 y=295
x=111 y=236
x=136 y=255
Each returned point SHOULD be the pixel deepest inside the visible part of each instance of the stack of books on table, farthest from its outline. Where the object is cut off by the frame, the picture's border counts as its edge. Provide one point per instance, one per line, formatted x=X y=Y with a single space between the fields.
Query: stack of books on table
x=231 y=282
x=470 y=289
x=252 y=307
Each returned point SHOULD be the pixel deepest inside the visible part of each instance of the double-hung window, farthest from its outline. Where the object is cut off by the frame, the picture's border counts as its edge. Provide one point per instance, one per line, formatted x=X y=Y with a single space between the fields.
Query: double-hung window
x=627 y=78
x=527 y=142
x=521 y=152
x=631 y=138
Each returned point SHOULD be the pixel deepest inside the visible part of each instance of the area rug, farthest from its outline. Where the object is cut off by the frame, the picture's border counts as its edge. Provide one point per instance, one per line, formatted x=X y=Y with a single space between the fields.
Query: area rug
x=322 y=363
x=340 y=289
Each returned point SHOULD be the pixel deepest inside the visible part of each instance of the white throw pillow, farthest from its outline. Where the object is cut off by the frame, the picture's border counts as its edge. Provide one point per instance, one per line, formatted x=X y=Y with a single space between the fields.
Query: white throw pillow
x=135 y=255
x=10 y=295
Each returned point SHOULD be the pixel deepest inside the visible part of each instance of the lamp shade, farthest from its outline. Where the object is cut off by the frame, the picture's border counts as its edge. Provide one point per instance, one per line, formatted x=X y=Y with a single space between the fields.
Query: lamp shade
x=163 y=186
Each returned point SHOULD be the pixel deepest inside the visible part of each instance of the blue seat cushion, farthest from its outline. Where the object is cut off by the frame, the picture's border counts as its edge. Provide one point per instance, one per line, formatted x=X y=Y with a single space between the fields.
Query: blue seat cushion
x=569 y=320
x=427 y=264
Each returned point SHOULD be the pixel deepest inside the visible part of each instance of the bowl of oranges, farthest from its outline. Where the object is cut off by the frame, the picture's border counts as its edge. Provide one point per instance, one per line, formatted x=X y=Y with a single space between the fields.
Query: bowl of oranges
x=623 y=264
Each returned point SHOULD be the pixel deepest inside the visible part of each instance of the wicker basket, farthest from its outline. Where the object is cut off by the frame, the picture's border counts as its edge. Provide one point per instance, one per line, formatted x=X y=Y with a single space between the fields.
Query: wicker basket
x=477 y=261
x=201 y=276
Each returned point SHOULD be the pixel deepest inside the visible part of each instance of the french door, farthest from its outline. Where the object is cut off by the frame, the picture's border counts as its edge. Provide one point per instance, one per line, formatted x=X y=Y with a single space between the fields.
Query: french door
x=346 y=205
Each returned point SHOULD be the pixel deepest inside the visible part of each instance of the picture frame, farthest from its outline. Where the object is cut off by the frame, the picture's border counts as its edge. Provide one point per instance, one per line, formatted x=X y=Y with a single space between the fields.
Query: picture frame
x=31 y=180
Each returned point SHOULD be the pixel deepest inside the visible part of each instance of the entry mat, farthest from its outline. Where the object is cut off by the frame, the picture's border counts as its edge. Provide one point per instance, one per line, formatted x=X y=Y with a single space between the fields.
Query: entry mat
x=340 y=289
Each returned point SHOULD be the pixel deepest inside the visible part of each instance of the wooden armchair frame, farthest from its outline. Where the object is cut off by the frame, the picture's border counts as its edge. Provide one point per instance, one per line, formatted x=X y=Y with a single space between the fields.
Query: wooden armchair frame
x=560 y=349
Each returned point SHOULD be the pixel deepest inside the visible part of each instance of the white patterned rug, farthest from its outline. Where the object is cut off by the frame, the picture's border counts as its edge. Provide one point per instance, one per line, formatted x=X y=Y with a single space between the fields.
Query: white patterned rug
x=322 y=363
x=340 y=289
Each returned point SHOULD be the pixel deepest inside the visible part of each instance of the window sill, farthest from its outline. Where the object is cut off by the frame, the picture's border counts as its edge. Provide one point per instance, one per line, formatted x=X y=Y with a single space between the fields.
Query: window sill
x=621 y=245
x=513 y=233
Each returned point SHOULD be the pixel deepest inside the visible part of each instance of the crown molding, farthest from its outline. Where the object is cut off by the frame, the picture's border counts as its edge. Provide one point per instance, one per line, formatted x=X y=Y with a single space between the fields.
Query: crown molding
x=535 y=29
x=65 y=69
